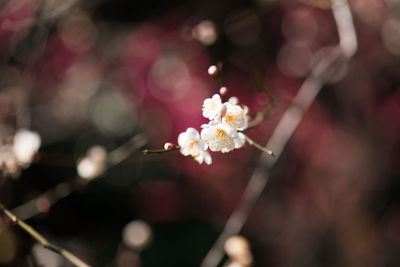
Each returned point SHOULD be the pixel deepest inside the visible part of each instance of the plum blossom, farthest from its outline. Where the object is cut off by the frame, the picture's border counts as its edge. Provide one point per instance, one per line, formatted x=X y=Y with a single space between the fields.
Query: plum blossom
x=191 y=144
x=234 y=117
x=222 y=133
x=212 y=107
x=221 y=137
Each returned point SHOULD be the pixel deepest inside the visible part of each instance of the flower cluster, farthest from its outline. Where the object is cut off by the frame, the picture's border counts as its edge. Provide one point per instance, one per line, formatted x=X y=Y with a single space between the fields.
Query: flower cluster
x=222 y=133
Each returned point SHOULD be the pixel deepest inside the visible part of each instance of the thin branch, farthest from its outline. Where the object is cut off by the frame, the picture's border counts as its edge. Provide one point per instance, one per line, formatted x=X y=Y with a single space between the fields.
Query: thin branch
x=261 y=116
x=64 y=189
x=321 y=72
x=125 y=150
x=42 y=240
x=159 y=151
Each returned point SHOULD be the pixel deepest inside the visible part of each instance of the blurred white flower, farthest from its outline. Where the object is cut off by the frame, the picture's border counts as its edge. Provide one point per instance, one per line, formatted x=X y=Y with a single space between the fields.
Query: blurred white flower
x=9 y=160
x=205 y=32
x=191 y=144
x=137 y=235
x=93 y=164
x=88 y=168
x=26 y=145
x=234 y=117
x=238 y=249
x=236 y=245
x=212 y=107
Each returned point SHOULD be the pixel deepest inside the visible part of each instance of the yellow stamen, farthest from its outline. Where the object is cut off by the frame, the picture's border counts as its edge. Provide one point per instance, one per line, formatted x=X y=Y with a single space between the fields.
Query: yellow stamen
x=221 y=134
x=229 y=118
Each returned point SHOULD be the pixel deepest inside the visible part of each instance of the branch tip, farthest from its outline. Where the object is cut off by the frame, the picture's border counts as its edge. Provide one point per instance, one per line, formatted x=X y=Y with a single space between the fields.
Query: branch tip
x=162 y=150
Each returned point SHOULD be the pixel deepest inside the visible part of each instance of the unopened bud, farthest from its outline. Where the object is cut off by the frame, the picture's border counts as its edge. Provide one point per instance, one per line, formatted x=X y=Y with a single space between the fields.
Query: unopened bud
x=213 y=70
x=223 y=90
x=233 y=100
x=168 y=145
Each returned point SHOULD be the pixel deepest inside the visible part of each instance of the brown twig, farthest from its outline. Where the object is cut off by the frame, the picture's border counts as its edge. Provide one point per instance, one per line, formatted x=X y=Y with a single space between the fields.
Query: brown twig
x=42 y=240
x=159 y=151
x=261 y=116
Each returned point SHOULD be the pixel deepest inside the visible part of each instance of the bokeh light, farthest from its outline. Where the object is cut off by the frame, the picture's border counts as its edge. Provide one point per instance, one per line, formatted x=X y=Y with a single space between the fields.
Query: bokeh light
x=205 y=32
x=170 y=78
x=112 y=114
x=137 y=235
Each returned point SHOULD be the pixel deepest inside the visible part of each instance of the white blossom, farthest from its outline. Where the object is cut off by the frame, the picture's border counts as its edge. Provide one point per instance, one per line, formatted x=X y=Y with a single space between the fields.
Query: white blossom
x=191 y=144
x=26 y=145
x=221 y=137
x=212 y=107
x=234 y=117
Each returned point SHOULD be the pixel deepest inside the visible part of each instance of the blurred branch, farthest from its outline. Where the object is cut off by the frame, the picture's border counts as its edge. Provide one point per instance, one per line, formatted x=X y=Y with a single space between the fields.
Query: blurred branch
x=345 y=27
x=261 y=116
x=42 y=240
x=322 y=71
x=62 y=190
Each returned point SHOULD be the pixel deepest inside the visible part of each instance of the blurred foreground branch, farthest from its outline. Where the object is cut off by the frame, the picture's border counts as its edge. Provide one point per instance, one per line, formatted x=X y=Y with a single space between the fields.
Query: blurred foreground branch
x=62 y=190
x=42 y=240
x=323 y=70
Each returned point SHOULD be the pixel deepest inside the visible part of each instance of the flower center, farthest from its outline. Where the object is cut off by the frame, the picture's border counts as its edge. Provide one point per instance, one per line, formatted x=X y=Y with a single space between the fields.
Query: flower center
x=193 y=143
x=229 y=117
x=221 y=134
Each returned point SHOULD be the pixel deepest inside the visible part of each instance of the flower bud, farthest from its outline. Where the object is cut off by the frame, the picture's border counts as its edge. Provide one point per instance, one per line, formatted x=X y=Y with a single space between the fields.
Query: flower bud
x=213 y=70
x=168 y=145
x=223 y=90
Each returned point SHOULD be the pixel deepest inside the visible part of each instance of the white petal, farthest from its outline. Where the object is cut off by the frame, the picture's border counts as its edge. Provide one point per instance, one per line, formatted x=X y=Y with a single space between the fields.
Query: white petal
x=239 y=140
x=216 y=98
x=202 y=144
x=185 y=150
x=225 y=150
x=207 y=158
x=199 y=158
x=229 y=130
x=193 y=133
x=206 y=134
x=233 y=100
x=183 y=139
